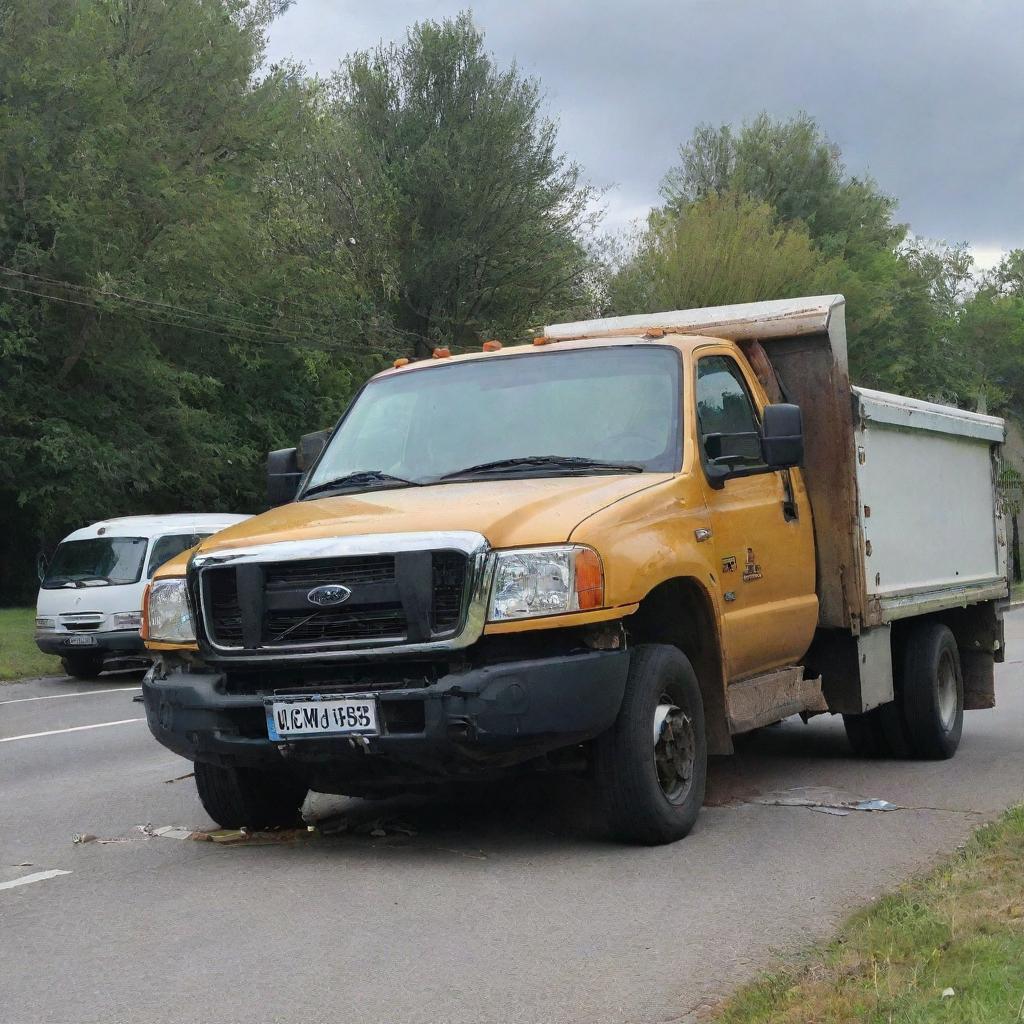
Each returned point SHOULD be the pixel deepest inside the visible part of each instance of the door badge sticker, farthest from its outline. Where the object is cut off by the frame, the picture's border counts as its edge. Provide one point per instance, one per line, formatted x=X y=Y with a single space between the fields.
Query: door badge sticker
x=751 y=570
x=729 y=564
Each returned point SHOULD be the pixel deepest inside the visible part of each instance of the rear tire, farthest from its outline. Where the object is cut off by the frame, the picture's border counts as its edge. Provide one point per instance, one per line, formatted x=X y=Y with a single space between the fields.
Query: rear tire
x=82 y=666
x=932 y=697
x=653 y=791
x=250 y=797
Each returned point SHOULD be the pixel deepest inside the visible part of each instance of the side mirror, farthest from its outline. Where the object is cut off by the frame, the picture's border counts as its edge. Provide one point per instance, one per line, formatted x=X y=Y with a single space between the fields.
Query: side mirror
x=310 y=447
x=41 y=564
x=782 y=436
x=283 y=476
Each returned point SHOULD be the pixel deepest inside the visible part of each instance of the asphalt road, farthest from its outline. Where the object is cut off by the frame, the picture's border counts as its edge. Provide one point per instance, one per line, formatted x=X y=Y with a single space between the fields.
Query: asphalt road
x=513 y=908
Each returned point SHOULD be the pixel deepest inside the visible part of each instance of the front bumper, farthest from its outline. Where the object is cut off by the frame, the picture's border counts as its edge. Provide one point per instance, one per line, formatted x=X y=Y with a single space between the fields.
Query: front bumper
x=493 y=716
x=107 y=642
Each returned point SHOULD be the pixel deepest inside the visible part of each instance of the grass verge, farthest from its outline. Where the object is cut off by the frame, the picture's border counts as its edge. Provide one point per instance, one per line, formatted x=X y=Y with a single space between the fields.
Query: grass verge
x=19 y=656
x=959 y=928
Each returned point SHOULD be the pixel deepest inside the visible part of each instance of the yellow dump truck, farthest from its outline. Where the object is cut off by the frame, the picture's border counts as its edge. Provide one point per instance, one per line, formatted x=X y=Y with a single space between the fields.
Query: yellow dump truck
x=613 y=550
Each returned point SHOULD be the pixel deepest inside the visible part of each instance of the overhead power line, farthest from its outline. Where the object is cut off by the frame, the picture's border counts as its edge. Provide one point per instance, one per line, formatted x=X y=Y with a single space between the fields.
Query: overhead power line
x=225 y=326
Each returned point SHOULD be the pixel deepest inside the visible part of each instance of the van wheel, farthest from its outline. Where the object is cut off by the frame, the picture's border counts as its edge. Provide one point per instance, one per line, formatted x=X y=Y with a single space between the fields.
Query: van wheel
x=82 y=666
x=932 y=692
x=250 y=797
x=651 y=765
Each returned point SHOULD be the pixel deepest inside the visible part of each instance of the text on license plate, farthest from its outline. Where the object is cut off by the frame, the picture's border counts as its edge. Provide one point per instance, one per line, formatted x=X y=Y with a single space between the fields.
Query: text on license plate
x=351 y=716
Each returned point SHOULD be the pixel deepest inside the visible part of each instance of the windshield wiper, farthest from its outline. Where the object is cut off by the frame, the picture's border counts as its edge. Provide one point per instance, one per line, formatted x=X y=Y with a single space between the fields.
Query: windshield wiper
x=572 y=463
x=363 y=476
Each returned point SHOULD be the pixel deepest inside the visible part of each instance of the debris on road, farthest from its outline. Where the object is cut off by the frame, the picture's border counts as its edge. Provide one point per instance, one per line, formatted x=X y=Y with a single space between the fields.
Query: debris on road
x=825 y=800
x=948 y=993
x=377 y=828
x=181 y=778
x=175 y=832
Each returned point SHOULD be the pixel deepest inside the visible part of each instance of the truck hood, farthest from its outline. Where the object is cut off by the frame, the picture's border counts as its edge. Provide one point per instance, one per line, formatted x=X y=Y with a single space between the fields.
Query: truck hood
x=509 y=513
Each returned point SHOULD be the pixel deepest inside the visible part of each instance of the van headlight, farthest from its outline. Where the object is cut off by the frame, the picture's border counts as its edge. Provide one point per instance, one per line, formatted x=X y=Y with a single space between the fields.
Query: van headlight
x=168 y=617
x=532 y=582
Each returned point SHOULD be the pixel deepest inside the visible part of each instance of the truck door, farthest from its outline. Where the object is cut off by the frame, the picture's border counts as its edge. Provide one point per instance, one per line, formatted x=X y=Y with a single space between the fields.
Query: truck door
x=760 y=521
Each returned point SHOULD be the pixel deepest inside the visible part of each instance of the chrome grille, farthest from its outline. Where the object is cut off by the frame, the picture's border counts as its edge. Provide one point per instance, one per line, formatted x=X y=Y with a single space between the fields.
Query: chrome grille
x=408 y=597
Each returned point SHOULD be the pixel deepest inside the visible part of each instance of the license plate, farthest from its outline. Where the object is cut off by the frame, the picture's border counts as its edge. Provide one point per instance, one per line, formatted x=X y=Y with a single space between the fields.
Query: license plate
x=348 y=716
x=81 y=641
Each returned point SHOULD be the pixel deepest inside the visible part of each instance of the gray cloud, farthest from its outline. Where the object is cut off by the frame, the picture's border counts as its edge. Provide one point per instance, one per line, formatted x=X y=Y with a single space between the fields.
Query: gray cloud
x=927 y=97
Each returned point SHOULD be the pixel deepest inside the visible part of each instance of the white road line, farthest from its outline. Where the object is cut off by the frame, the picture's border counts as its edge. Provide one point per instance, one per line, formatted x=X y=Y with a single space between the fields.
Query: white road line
x=76 y=693
x=39 y=876
x=74 y=728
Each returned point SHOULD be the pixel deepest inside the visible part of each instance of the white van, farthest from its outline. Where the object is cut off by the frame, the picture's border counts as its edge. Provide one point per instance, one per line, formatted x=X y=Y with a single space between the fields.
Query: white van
x=90 y=596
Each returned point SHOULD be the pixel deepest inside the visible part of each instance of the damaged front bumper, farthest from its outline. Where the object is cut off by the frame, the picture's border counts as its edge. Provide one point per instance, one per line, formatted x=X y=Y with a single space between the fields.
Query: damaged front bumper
x=489 y=716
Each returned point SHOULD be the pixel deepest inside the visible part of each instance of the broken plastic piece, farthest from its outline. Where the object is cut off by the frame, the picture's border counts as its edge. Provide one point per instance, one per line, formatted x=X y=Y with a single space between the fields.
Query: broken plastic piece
x=828 y=801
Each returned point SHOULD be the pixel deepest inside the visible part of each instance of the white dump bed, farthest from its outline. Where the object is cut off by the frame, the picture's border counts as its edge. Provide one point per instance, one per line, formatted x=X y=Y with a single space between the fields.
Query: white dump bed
x=930 y=518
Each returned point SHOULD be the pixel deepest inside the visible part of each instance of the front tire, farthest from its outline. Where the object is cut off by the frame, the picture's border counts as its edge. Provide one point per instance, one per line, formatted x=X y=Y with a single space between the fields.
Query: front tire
x=82 y=666
x=651 y=765
x=250 y=797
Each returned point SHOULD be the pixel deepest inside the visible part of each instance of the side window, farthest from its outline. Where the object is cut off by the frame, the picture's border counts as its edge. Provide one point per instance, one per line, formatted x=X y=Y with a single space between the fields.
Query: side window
x=165 y=548
x=729 y=427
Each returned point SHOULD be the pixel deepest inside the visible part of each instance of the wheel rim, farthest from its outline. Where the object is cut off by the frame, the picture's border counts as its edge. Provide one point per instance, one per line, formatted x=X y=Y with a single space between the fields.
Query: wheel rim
x=674 y=749
x=946 y=691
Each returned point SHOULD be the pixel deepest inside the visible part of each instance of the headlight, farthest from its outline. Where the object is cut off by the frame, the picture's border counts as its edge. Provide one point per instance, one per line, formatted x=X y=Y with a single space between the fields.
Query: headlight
x=127 y=620
x=168 y=618
x=46 y=624
x=545 y=581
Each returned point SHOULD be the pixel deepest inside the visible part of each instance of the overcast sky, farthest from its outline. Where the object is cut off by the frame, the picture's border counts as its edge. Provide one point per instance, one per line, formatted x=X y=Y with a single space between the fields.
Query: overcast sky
x=925 y=95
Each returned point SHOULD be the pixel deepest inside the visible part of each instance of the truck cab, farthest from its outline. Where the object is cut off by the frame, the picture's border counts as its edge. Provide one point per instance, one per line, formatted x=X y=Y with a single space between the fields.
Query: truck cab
x=617 y=546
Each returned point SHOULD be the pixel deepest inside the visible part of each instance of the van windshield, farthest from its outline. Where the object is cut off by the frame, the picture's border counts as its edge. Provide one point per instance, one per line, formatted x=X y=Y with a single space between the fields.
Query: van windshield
x=604 y=409
x=99 y=561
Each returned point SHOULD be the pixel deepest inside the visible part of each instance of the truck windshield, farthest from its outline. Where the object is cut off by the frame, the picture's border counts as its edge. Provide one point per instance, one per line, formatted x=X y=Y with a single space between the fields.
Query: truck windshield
x=100 y=561
x=544 y=414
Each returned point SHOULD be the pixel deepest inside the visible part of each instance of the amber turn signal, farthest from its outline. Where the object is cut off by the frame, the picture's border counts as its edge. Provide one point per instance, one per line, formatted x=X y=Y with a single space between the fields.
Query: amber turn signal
x=589 y=580
x=144 y=625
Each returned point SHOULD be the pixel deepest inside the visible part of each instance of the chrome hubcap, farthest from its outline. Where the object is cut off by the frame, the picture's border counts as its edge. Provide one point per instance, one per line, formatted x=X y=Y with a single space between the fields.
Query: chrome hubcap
x=946 y=684
x=674 y=749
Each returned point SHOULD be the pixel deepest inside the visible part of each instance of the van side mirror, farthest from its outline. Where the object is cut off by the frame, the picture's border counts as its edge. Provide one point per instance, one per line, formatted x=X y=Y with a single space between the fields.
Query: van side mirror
x=41 y=563
x=782 y=436
x=283 y=476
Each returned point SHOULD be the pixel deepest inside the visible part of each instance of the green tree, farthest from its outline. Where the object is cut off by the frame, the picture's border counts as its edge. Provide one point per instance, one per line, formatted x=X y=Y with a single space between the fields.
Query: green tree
x=794 y=167
x=720 y=249
x=449 y=192
x=160 y=326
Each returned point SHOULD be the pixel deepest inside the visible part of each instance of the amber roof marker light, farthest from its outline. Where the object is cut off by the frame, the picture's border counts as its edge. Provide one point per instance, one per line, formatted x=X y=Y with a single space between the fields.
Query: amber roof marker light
x=404 y=361
x=442 y=353
x=492 y=346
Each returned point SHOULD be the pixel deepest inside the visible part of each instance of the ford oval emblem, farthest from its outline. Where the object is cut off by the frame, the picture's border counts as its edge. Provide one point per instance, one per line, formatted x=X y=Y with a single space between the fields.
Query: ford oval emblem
x=333 y=593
